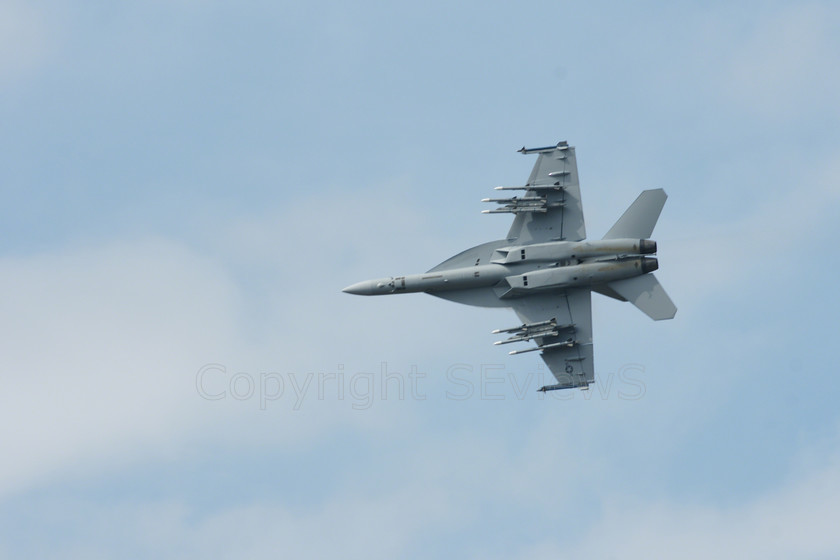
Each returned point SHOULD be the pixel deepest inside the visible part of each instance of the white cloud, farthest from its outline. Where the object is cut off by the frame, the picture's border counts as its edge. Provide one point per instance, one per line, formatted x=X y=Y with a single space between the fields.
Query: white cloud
x=419 y=490
x=100 y=347
x=795 y=520
x=350 y=527
x=94 y=346
x=468 y=492
x=24 y=38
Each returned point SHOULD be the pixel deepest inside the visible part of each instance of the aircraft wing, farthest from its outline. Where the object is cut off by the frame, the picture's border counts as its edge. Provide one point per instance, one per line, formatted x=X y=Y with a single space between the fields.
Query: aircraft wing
x=554 y=177
x=561 y=325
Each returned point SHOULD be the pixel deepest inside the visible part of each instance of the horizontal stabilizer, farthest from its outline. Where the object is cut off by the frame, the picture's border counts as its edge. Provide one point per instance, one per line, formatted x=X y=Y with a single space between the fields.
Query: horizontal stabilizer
x=605 y=290
x=639 y=219
x=646 y=293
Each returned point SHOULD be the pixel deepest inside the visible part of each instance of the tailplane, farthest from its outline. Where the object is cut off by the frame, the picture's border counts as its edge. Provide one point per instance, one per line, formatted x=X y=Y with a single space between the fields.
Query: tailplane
x=646 y=293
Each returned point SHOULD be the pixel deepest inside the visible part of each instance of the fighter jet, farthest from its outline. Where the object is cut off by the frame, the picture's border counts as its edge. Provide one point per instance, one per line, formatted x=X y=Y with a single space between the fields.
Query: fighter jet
x=546 y=271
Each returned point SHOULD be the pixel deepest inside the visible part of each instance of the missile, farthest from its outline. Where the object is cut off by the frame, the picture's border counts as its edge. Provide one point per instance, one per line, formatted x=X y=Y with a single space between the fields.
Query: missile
x=560 y=146
x=525 y=326
x=515 y=199
x=528 y=336
x=531 y=188
x=566 y=343
x=517 y=209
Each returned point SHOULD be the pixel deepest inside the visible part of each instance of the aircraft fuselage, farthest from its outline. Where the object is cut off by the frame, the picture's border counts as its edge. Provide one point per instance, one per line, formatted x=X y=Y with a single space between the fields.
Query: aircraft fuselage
x=520 y=270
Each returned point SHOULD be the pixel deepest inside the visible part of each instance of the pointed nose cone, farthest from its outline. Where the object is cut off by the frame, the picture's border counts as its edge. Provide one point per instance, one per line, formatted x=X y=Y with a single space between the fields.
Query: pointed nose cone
x=360 y=288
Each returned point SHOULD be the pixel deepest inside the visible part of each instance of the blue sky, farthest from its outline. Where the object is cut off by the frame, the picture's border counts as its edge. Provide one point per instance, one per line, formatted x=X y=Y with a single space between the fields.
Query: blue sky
x=188 y=185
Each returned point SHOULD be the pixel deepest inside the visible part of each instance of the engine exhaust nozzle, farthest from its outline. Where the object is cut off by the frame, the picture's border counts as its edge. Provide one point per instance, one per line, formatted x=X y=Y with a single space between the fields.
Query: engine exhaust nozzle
x=647 y=247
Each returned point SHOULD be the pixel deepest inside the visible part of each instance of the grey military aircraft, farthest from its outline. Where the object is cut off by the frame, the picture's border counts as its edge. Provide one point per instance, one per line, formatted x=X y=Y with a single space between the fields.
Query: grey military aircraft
x=545 y=269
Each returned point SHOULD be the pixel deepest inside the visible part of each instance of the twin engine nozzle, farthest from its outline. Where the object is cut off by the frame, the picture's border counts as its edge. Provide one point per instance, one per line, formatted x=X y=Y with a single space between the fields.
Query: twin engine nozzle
x=648 y=247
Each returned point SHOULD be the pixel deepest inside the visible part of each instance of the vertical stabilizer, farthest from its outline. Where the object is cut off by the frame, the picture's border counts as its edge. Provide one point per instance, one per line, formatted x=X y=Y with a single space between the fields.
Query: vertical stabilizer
x=639 y=219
